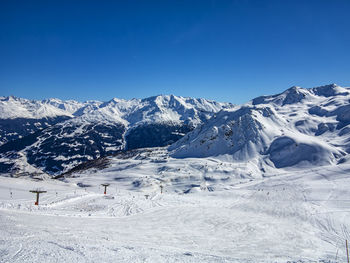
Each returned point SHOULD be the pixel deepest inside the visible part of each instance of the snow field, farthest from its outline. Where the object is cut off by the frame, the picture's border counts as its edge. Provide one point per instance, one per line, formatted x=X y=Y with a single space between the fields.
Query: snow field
x=293 y=216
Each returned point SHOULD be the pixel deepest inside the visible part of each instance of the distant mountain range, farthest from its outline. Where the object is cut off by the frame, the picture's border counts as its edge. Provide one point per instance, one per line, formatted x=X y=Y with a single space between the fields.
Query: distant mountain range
x=299 y=127
x=54 y=135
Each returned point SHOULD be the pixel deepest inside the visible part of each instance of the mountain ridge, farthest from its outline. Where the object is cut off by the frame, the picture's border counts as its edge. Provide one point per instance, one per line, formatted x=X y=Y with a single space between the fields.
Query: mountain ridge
x=97 y=129
x=297 y=127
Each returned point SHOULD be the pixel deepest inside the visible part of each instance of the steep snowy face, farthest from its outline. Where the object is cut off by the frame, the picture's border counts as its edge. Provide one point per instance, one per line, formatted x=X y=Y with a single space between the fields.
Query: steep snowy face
x=296 y=127
x=241 y=133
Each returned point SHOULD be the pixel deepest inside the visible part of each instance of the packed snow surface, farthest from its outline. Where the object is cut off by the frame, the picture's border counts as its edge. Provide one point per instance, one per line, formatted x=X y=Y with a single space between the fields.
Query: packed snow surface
x=211 y=210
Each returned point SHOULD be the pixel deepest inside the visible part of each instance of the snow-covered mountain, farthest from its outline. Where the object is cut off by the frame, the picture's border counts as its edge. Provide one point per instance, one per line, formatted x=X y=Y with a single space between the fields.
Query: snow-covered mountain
x=12 y=107
x=56 y=135
x=20 y=117
x=297 y=127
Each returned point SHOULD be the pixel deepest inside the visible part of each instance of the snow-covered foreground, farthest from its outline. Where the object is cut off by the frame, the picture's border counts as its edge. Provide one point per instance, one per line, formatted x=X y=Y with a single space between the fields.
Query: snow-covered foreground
x=296 y=216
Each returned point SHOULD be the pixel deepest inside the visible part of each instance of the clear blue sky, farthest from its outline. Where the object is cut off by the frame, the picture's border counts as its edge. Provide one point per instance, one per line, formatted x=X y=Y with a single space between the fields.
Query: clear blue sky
x=223 y=50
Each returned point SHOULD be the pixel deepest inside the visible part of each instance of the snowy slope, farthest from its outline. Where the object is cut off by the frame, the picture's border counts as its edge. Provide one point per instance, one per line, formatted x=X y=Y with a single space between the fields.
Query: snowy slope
x=210 y=211
x=296 y=127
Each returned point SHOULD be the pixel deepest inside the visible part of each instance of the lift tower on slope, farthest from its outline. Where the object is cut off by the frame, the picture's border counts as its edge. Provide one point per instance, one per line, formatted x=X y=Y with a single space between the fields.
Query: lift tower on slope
x=105 y=186
x=37 y=192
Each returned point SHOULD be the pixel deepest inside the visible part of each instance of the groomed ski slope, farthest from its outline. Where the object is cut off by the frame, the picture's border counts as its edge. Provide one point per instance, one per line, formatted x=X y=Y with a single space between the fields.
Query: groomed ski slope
x=293 y=216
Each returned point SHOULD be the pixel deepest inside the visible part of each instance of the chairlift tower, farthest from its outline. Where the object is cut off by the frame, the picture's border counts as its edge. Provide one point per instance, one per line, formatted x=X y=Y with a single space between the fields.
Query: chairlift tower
x=105 y=186
x=37 y=192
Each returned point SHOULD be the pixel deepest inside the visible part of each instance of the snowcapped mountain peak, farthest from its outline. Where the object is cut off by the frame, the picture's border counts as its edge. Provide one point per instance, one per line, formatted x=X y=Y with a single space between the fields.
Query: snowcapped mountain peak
x=113 y=102
x=297 y=94
x=292 y=95
x=7 y=98
x=234 y=132
x=12 y=98
x=296 y=127
x=330 y=90
x=293 y=89
x=163 y=107
x=12 y=107
x=70 y=106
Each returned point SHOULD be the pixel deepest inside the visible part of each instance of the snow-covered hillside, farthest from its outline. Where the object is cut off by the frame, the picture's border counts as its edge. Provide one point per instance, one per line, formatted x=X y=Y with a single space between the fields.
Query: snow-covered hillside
x=209 y=210
x=70 y=132
x=297 y=127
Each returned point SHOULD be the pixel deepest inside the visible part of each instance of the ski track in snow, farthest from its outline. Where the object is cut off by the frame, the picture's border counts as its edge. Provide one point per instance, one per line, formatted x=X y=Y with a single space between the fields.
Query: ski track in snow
x=294 y=216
